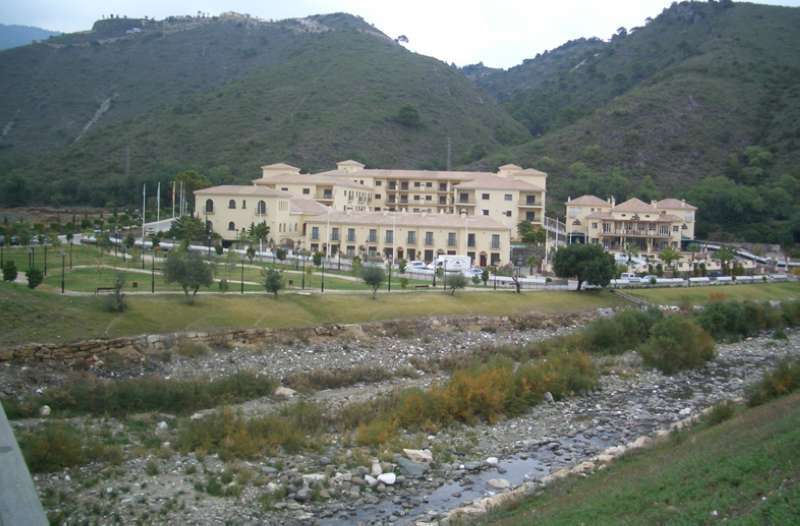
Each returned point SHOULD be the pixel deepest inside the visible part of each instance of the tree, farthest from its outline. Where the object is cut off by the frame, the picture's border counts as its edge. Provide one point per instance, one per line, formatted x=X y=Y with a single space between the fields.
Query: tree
x=485 y=276
x=188 y=229
x=273 y=281
x=281 y=254
x=9 y=270
x=129 y=241
x=317 y=259
x=724 y=255
x=669 y=256
x=259 y=233
x=401 y=265
x=35 y=278
x=533 y=262
x=188 y=270
x=587 y=263
x=456 y=281
x=373 y=277
x=408 y=116
x=218 y=249
x=116 y=301
x=251 y=253
x=531 y=234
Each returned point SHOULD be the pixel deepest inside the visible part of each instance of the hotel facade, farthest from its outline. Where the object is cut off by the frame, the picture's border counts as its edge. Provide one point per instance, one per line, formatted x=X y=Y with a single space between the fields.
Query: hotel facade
x=353 y=210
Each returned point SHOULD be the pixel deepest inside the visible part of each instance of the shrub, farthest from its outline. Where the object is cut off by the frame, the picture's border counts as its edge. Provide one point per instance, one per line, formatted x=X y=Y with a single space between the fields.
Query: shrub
x=53 y=447
x=9 y=271
x=35 y=278
x=677 y=343
x=781 y=381
x=731 y=320
x=190 y=349
x=273 y=281
x=115 y=302
x=625 y=331
x=336 y=378
x=223 y=285
x=721 y=412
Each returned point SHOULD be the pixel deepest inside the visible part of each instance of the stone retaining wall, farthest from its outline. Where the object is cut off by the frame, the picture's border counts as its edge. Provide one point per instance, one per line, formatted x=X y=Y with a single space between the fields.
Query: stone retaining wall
x=135 y=347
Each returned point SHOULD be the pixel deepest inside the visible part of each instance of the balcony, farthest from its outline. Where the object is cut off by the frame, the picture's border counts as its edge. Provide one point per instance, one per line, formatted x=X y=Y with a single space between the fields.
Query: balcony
x=635 y=233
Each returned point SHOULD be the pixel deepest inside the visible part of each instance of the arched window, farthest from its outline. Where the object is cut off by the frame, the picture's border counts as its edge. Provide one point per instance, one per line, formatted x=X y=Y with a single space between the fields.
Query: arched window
x=262 y=208
x=232 y=204
x=209 y=226
x=232 y=226
x=210 y=206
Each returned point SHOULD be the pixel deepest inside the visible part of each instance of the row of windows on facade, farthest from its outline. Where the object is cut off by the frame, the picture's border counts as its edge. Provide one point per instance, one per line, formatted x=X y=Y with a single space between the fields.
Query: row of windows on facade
x=636 y=227
x=282 y=227
x=261 y=206
x=411 y=238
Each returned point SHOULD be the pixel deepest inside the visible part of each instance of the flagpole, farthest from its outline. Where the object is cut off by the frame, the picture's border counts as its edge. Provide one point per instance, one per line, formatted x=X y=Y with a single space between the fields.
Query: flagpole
x=173 y=199
x=144 y=211
x=158 y=202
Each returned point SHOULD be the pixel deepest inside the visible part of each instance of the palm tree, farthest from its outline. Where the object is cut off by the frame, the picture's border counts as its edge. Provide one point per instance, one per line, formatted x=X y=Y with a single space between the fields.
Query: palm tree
x=725 y=255
x=669 y=256
x=533 y=261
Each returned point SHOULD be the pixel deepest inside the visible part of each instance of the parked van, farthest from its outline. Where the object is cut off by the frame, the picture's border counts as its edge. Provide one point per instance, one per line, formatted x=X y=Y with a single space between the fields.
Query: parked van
x=452 y=263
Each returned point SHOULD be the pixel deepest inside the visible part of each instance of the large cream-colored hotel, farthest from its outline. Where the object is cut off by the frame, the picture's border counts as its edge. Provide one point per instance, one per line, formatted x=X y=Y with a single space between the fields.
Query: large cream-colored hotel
x=412 y=214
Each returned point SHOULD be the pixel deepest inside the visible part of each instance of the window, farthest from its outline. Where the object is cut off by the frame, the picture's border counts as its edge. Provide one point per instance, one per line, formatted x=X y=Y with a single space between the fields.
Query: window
x=451 y=239
x=404 y=185
x=306 y=191
x=334 y=234
x=231 y=226
x=508 y=197
x=377 y=209
x=232 y=204
x=530 y=199
x=350 y=251
x=470 y=240
x=209 y=206
x=485 y=197
x=508 y=213
x=412 y=237
x=494 y=259
x=442 y=187
x=315 y=233
x=351 y=234
x=372 y=252
x=442 y=200
x=416 y=198
x=417 y=184
x=496 y=241
x=485 y=212
x=429 y=238
x=378 y=183
x=377 y=196
x=327 y=194
x=284 y=189
x=428 y=197
x=428 y=184
x=606 y=228
x=594 y=225
x=463 y=197
x=530 y=216
x=244 y=204
x=261 y=208
x=373 y=236
x=676 y=228
x=389 y=236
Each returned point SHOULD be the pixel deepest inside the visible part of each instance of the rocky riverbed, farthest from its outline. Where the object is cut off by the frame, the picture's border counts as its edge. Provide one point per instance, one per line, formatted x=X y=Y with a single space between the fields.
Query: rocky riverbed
x=344 y=484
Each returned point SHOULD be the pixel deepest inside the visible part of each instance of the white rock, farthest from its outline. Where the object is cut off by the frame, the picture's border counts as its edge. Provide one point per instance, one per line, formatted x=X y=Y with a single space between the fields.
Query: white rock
x=686 y=411
x=419 y=455
x=311 y=478
x=161 y=426
x=44 y=411
x=498 y=483
x=371 y=481
x=376 y=469
x=284 y=392
x=387 y=478
x=492 y=461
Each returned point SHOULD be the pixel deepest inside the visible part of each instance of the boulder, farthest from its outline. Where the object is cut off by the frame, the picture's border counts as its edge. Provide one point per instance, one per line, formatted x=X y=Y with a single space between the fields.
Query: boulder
x=412 y=469
x=387 y=478
x=371 y=481
x=284 y=392
x=419 y=455
x=492 y=461
x=44 y=411
x=498 y=484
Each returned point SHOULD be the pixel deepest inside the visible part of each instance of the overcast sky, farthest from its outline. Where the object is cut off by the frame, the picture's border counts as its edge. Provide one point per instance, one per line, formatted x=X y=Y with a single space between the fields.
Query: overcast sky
x=499 y=33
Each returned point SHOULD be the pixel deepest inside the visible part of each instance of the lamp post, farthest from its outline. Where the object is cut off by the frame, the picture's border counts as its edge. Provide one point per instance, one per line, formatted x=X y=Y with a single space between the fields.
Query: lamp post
x=153 y=272
x=241 y=281
x=63 y=259
x=45 y=259
x=444 y=275
x=389 y=289
x=2 y=261
x=303 y=274
x=323 y=275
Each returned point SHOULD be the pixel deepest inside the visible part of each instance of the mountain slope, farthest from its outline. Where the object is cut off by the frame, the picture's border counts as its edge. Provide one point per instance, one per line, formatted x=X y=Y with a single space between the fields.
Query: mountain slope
x=15 y=35
x=224 y=96
x=669 y=106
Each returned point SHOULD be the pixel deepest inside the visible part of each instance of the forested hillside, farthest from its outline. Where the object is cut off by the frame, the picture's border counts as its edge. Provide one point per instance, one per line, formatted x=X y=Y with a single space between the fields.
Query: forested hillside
x=15 y=35
x=90 y=116
x=702 y=102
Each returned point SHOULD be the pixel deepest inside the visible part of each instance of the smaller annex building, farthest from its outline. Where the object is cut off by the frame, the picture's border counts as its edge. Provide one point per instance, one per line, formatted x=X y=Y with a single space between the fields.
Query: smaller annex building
x=647 y=227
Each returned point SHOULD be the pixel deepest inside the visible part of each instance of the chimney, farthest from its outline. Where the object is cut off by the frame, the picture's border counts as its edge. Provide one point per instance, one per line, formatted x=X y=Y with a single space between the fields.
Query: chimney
x=613 y=201
x=569 y=198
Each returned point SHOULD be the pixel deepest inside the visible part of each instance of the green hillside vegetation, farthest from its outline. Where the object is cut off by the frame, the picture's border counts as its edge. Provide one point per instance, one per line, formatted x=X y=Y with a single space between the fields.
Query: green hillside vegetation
x=224 y=96
x=702 y=102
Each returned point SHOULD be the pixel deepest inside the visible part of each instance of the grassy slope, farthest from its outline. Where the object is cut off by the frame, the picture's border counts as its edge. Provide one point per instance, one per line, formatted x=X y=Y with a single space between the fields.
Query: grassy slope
x=310 y=99
x=672 y=100
x=747 y=469
x=42 y=317
x=699 y=295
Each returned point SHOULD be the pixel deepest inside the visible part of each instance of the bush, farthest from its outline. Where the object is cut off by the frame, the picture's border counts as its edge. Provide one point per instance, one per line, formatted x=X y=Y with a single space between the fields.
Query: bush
x=677 y=343
x=223 y=285
x=721 y=412
x=625 y=331
x=9 y=271
x=731 y=320
x=35 y=278
x=115 y=302
x=190 y=349
x=781 y=381
x=53 y=447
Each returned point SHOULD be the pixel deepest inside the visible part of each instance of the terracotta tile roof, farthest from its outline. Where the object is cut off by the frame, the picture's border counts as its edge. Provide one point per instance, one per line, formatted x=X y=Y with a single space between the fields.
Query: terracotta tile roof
x=635 y=205
x=655 y=218
x=298 y=178
x=430 y=175
x=675 y=204
x=236 y=189
x=588 y=200
x=281 y=167
x=301 y=206
x=406 y=219
x=483 y=181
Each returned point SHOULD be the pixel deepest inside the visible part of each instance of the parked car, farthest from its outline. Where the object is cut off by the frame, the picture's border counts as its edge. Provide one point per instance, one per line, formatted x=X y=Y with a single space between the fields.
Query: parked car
x=416 y=265
x=630 y=277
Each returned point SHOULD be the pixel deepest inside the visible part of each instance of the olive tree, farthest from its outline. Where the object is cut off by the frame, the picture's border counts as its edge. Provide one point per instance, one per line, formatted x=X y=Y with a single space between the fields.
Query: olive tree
x=586 y=263
x=273 y=281
x=188 y=270
x=374 y=278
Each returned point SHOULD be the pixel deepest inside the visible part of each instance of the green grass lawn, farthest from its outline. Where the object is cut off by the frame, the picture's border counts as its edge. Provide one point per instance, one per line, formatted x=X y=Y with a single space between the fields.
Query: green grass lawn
x=41 y=316
x=699 y=295
x=747 y=469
